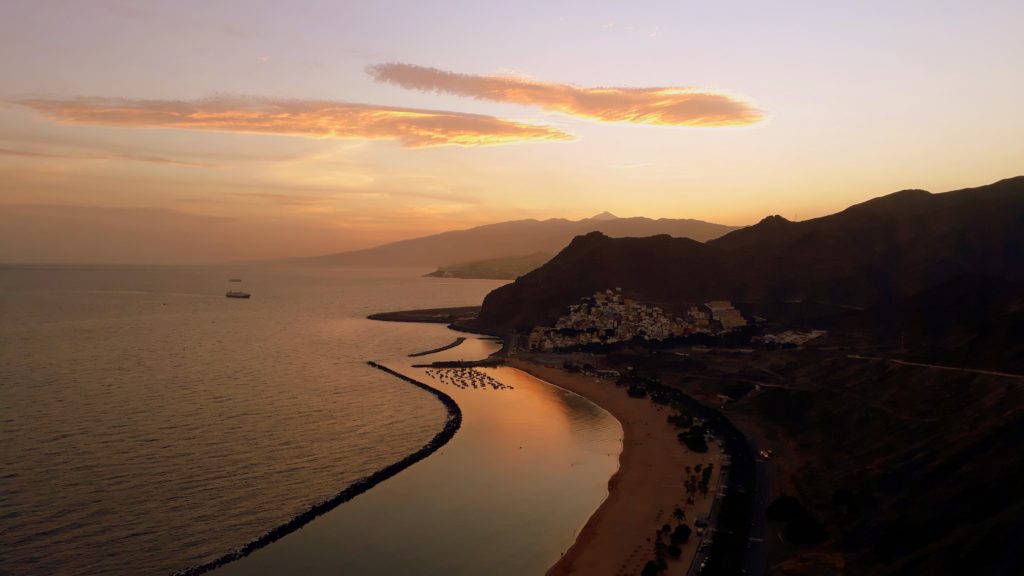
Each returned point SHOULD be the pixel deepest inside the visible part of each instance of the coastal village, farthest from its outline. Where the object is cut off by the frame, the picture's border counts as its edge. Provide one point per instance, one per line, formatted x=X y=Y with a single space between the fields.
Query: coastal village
x=608 y=317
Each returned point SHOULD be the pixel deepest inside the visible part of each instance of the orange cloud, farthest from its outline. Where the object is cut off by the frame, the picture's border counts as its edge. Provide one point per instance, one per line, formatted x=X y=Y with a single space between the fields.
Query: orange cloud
x=412 y=127
x=660 y=106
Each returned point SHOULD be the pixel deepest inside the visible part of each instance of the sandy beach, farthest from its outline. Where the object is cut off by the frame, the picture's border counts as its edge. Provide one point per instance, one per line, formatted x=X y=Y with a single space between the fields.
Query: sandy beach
x=619 y=537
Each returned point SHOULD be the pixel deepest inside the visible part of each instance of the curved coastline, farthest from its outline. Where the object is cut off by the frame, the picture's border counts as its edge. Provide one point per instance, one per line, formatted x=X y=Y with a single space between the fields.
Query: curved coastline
x=451 y=426
x=585 y=532
x=639 y=497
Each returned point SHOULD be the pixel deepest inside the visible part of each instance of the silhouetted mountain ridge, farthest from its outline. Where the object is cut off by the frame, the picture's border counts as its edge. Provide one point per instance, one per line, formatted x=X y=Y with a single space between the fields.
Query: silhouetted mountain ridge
x=871 y=254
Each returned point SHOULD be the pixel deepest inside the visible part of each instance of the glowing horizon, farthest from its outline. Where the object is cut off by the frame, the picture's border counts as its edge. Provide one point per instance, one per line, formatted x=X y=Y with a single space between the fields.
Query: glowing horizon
x=248 y=130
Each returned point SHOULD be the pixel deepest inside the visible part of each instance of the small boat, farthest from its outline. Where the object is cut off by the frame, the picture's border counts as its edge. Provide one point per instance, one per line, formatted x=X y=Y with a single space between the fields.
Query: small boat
x=237 y=294
x=235 y=280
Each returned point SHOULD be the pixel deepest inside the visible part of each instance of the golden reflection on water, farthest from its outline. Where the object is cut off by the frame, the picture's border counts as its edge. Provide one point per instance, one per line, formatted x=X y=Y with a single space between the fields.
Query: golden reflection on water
x=148 y=424
x=506 y=496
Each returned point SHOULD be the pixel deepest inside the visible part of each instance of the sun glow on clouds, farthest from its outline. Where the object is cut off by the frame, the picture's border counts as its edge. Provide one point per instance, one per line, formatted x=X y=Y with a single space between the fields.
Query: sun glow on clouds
x=413 y=128
x=659 y=106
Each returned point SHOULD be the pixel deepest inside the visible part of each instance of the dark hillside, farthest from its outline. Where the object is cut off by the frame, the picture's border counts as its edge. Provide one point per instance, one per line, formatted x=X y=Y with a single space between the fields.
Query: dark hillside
x=911 y=470
x=877 y=253
x=661 y=269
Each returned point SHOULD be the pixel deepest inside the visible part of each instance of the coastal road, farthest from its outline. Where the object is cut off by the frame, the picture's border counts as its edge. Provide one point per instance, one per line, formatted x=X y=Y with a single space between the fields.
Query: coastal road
x=937 y=366
x=699 y=556
x=756 y=560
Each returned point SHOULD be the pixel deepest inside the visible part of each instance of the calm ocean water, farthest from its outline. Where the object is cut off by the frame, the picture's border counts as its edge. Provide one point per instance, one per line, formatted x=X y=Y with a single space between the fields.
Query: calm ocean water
x=506 y=497
x=148 y=423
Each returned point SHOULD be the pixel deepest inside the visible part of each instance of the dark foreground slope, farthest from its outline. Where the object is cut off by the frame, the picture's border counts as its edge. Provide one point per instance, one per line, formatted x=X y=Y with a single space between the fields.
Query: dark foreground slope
x=511 y=239
x=896 y=438
x=910 y=470
x=871 y=255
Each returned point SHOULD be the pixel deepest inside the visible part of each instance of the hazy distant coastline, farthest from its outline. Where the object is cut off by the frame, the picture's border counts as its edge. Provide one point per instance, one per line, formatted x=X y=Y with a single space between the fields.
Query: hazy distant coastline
x=509 y=245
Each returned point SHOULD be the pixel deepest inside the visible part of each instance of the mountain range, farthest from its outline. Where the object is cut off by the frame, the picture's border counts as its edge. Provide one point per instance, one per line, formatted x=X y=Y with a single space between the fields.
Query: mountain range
x=901 y=431
x=872 y=255
x=517 y=239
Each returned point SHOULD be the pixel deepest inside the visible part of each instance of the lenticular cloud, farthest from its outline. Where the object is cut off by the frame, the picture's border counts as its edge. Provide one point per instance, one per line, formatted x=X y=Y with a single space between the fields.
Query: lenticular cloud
x=413 y=128
x=664 y=106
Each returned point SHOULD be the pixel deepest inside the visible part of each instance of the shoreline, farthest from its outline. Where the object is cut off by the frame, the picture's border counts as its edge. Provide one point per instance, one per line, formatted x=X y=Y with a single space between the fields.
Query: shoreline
x=452 y=424
x=616 y=537
x=642 y=493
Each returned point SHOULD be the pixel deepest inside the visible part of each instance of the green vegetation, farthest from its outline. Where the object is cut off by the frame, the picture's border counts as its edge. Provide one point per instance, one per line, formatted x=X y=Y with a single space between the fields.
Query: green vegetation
x=651 y=569
x=692 y=436
x=636 y=392
x=705 y=477
x=680 y=420
x=694 y=439
x=681 y=534
x=671 y=549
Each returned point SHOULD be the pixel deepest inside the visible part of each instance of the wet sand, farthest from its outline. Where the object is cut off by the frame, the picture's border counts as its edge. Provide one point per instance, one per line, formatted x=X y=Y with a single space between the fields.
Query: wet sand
x=619 y=537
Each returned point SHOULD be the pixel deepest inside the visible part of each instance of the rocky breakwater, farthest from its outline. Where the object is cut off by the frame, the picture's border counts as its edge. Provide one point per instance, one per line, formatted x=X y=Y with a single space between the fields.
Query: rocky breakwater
x=451 y=426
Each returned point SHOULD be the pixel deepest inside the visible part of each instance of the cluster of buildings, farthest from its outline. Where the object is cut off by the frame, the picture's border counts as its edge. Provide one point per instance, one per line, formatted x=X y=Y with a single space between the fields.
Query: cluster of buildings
x=608 y=317
x=727 y=317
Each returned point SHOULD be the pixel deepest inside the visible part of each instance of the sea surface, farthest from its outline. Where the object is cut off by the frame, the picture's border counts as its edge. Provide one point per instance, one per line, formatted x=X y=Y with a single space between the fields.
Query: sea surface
x=506 y=497
x=149 y=424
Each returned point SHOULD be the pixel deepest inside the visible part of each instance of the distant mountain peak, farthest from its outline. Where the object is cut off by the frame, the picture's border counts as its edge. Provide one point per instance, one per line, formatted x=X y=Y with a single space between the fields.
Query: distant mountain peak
x=604 y=216
x=774 y=219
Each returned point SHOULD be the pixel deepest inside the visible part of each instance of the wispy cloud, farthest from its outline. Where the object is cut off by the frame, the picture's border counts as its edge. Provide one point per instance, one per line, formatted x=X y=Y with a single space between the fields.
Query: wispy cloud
x=104 y=156
x=660 y=106
x=328 y=195
x=414 y=128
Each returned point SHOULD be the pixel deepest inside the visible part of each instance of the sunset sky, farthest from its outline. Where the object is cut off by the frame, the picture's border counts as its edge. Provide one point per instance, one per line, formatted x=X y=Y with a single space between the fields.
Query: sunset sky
x=199 y=131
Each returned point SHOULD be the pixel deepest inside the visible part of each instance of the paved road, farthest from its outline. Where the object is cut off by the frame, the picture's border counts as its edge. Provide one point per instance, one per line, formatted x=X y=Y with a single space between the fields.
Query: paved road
x=755 y=561
x=699 y=556
x=936 y=366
